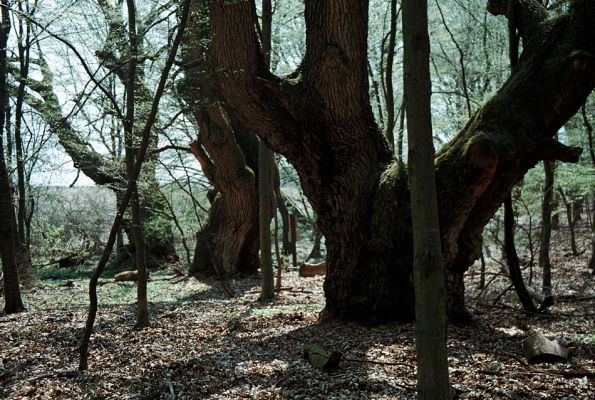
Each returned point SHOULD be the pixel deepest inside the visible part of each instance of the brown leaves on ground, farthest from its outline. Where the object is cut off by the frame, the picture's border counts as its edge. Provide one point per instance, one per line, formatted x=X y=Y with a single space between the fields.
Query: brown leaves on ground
x=210 y=347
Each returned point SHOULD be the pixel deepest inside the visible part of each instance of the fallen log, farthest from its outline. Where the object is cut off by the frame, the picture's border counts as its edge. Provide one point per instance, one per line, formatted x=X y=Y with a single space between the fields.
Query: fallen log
x=309 y=270
x=539 y=349
x=126 y=276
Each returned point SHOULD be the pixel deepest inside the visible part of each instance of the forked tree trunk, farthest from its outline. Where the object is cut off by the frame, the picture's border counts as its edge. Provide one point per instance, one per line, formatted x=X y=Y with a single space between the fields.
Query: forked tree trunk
x=320 y=119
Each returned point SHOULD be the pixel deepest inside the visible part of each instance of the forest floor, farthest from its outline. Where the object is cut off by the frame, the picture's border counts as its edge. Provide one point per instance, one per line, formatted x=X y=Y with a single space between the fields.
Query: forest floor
x=203 y=344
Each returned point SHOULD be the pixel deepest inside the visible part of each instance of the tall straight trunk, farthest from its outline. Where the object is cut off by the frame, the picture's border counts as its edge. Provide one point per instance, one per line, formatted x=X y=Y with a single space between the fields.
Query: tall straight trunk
x=282 y=207
x=591 y=142
x=142 y=316
x=265 y=176
x=12 y=294
x=390 y=93
x=265 y=202
x=401 y=131
x=428 y=263
x=592 y=259
x=546 y=226
x=24 y=46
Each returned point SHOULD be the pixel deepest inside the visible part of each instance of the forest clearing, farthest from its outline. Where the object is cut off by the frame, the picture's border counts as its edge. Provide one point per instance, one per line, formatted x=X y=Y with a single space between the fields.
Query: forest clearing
x=313 y=199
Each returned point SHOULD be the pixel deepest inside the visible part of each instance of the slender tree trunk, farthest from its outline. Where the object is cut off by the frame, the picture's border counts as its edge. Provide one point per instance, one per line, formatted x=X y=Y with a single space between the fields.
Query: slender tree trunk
x=265 y=200
x=142 y=152
x=509 y=222
x=265 y=176
x=546 y=226
x=577 y=210
x=315 y=252
x=591 y=142
x=592 y=259
x=12 y=294
x=555 y=213
x=401 y=132
x=428 y=263
x=282 y=207
x=142 y=316
x=482 y=272
x=512 y=258
x=390 y=59
x=570 y=220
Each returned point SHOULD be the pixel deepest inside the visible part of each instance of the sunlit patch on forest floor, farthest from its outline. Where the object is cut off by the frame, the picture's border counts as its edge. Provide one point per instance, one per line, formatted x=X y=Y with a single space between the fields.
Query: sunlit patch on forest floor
x=204 y=345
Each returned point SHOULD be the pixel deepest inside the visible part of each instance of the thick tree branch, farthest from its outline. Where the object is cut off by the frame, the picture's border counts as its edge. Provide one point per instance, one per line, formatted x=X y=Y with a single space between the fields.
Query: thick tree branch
x=238 y=68
x=529 y=15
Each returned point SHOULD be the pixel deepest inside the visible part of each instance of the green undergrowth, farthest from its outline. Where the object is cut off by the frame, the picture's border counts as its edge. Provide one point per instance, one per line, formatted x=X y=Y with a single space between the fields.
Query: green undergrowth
x=69 y=287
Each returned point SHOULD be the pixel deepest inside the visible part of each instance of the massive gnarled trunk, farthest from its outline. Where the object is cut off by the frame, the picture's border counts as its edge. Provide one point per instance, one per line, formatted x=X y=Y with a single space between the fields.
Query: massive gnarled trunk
x=320 y=119
x=227 y=243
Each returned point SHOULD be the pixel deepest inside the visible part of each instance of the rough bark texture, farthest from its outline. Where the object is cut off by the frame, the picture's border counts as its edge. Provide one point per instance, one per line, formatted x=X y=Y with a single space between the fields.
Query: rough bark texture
x=12 y=295
x=320 y=119
x=266 y=161
x=227 y=243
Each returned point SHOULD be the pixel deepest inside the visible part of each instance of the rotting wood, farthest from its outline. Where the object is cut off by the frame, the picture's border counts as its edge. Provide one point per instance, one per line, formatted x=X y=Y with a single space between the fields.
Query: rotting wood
x=539 y=349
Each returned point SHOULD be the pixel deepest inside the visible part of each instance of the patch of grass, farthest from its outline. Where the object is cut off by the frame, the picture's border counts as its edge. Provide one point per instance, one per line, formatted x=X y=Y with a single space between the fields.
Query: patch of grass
x=57 y=275
x=588 y=338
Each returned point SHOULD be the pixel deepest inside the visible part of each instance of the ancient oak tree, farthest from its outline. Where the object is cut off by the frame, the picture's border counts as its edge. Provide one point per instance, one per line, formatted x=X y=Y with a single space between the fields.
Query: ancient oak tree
x=320 y=119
